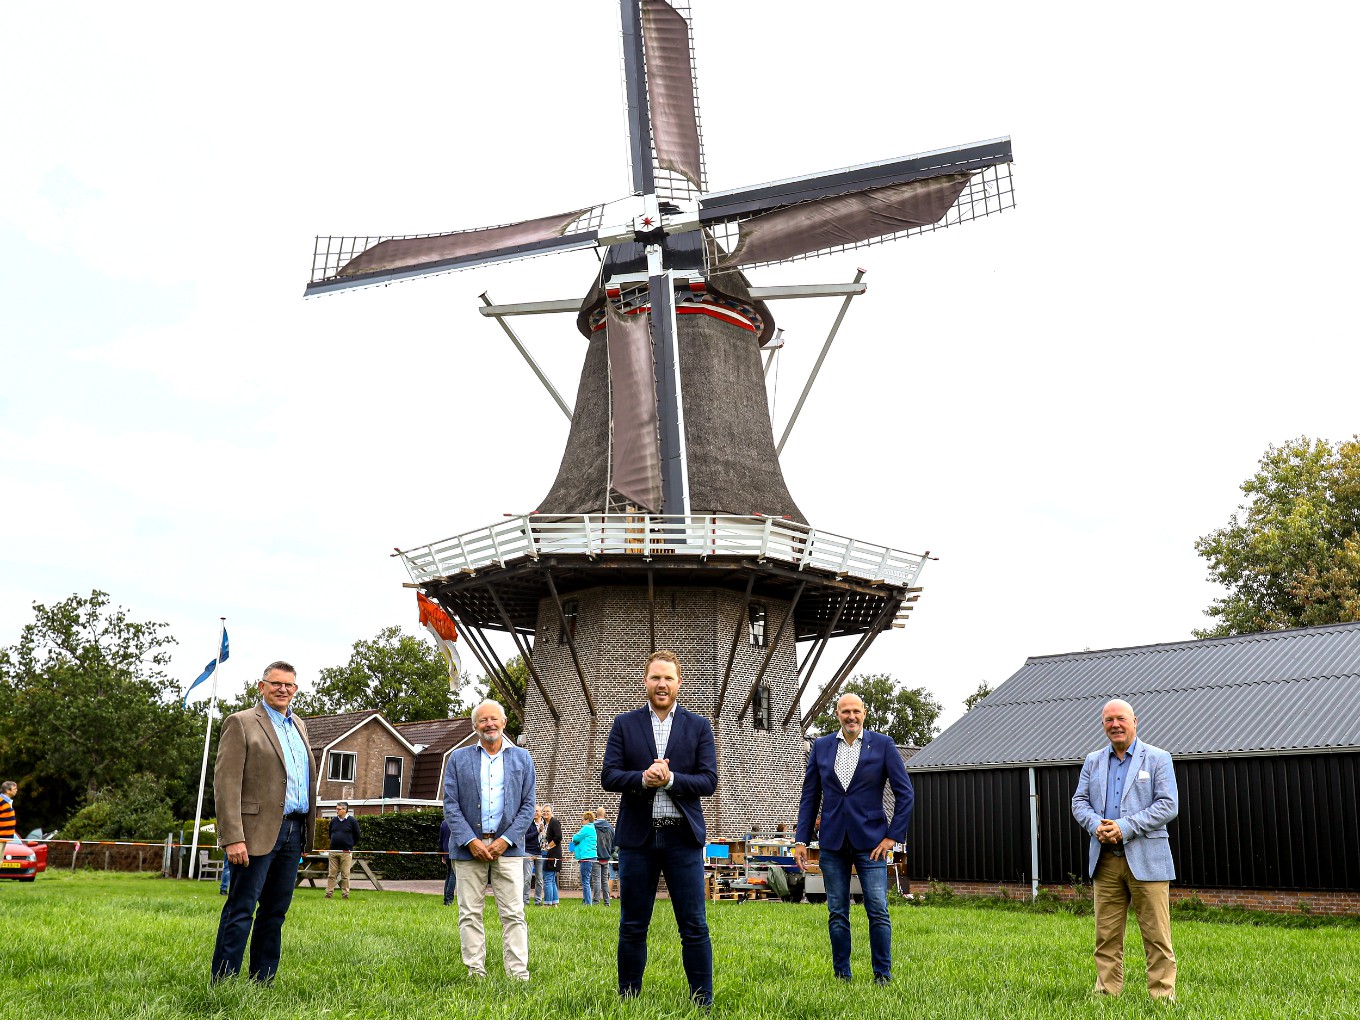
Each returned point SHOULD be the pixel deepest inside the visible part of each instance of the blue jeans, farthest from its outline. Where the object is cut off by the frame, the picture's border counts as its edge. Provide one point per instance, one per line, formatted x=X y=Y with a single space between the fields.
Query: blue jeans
x=267 y=883
x=550 y=888
x=226 y=876
x=873 y=880
x=539 y=884
x=450 y=882
x=587 y=869
x=671 y=852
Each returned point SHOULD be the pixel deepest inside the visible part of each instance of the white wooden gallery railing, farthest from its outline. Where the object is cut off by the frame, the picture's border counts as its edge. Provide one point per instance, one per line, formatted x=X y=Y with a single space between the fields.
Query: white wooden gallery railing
x=534 y=535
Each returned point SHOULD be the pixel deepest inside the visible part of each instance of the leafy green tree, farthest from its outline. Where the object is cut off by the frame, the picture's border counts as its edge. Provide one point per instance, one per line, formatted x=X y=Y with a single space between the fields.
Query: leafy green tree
x=139 y=809
x=983 y=689
x=1290 y=555
x=402 y=676
x=84 y=694
x=906 y=714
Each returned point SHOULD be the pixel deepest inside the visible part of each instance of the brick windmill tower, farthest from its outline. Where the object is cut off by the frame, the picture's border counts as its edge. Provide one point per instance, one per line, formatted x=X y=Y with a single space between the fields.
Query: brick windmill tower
x=669 y=524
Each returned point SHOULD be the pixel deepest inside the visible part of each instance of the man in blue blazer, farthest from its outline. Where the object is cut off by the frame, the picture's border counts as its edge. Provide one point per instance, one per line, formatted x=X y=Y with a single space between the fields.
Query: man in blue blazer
x=846 y=775
x=489 y=804
x=661 y=759
x=1125 y=797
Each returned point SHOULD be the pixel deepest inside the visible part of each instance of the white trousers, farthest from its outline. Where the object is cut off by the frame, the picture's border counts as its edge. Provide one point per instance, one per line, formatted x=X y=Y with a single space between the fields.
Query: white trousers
x=506 y=875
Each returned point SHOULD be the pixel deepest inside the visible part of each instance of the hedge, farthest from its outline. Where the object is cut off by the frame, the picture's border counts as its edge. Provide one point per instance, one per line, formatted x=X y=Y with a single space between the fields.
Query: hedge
x=401 y=830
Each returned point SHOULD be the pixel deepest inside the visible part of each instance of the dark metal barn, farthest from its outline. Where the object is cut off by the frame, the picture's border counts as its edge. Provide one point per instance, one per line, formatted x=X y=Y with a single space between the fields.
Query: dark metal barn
x=1263 y=729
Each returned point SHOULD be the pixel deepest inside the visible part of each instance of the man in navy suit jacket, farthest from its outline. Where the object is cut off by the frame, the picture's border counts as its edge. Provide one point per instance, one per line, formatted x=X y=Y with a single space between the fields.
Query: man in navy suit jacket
x=846 y=773
x=1125 y=797
x=662 y=760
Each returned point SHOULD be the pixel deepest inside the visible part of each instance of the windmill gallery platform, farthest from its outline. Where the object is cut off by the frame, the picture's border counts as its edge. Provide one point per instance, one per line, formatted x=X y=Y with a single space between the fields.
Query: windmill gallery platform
x=587 y=596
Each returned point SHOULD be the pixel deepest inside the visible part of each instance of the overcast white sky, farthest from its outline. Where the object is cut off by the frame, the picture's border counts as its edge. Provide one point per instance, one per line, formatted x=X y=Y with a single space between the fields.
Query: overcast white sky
x=1056 y=401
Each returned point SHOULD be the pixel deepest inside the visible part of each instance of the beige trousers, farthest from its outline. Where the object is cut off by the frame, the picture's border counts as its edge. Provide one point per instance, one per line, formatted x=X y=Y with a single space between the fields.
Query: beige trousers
x=1115 y=889
x=340 y=864
x=506 y=875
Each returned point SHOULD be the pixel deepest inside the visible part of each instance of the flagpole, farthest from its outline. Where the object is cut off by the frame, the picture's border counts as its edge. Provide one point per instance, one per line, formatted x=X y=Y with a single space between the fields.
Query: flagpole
x=203 y=770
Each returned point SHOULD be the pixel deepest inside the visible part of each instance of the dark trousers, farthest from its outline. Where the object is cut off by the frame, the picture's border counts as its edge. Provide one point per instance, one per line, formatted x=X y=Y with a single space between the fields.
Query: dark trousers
x=873 y=882
x=450 y=881
x=672 y=852
x=262 y=889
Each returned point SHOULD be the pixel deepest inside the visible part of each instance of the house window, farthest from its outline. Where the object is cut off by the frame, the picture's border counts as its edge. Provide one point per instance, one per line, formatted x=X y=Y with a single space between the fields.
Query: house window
x=570 y=609
x=760 y=708
x=340 y=767
x=755 y=618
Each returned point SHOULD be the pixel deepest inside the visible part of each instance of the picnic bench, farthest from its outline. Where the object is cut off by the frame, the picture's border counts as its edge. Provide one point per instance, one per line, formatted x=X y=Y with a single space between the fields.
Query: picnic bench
x=317 y=866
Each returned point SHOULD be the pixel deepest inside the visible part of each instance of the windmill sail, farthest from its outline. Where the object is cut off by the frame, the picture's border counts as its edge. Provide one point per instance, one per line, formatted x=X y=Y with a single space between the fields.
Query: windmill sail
x=842 y=221
x=635 y=466
x=670 y=91
x=342 y=262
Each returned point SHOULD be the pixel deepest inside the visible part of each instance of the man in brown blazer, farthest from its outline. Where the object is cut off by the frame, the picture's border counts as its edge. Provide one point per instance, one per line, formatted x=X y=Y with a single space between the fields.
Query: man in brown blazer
x=264 y=787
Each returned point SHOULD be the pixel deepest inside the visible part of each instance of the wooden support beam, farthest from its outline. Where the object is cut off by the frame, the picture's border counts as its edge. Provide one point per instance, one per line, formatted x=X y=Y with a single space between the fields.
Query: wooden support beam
x=524 y=654
x=755 y=685
x=815 y=657
x=732 y=652
x=571 y=641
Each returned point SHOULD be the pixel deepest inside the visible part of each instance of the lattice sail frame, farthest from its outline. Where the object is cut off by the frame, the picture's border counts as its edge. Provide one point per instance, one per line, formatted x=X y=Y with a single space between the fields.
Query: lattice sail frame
x=330 y=253
x=672 y=186
x=989 y=191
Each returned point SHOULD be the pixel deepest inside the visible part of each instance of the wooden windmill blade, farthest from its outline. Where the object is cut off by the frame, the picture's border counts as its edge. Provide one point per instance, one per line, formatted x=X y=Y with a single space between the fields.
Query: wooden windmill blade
x=339 y=263
x=855 y=206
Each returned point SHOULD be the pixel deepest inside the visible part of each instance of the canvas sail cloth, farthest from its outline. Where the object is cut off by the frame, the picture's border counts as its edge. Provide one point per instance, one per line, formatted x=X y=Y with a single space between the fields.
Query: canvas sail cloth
x=843 y=219
x=441 y=628
x=670 y=90
x=635 y=453
x=398 y=253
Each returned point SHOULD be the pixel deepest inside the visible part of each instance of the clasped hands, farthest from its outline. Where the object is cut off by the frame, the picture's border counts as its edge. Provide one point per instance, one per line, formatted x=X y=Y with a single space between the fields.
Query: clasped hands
x=1108 y=831
x=658 y=774
x=488 y=851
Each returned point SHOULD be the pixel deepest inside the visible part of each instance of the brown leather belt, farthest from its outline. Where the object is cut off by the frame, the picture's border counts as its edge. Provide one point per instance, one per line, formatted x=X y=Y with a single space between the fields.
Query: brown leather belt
x=487 y=837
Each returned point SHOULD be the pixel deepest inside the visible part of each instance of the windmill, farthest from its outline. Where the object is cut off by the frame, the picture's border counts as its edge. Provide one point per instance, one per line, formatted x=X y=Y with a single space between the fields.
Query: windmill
x=669 y=523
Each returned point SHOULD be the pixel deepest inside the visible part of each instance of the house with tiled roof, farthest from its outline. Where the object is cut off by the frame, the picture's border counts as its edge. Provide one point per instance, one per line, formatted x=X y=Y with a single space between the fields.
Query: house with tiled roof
x=377 y=766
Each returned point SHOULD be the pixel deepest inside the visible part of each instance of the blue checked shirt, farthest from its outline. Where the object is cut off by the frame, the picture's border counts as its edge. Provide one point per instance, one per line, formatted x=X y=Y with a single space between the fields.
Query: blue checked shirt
x=663 y=806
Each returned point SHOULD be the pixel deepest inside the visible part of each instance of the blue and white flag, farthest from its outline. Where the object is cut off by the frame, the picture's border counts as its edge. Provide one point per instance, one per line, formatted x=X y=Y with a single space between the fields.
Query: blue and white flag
x=208 y=669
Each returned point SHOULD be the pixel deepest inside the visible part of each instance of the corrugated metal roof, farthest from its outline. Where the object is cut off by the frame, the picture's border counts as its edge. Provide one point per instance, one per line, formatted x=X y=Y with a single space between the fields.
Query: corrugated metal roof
x=1273 y=692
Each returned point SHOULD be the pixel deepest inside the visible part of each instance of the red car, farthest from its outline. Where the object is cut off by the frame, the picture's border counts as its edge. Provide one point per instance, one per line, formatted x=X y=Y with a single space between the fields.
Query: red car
x=23 y=860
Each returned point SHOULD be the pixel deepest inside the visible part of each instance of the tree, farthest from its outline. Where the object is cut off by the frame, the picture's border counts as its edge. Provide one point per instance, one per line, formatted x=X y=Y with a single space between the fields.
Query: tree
x=907 y=715
x=1290 y=555
x=137 y=810
x=983 y=689
x=84 y=702
x=400 y=675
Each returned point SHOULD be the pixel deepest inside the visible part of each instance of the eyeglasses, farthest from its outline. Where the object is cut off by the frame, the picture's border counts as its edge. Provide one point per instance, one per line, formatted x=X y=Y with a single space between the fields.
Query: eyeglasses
x=279 y=685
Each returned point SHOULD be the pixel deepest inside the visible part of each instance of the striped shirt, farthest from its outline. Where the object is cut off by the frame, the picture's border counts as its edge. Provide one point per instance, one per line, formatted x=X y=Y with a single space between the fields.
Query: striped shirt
x=663 y=806
x=6 y=817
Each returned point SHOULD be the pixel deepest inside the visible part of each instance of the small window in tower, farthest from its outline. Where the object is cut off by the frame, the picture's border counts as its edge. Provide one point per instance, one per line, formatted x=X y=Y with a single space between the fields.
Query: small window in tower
x=570 y=609
x=760 y=708
x=755 y=614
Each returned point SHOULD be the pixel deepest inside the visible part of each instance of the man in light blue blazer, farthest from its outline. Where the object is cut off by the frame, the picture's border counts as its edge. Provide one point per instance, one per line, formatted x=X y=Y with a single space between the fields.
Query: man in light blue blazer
x=1125 y=797
x=489 y=804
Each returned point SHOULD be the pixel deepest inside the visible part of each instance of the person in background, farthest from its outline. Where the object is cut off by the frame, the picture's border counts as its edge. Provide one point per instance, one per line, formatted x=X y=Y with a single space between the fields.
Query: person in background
x=552 y=855
x=450 y=876
x=583 y=849
x=533 y=852
x=604 y=852
x=8 y=825
x=538 y=858
x=344 y=835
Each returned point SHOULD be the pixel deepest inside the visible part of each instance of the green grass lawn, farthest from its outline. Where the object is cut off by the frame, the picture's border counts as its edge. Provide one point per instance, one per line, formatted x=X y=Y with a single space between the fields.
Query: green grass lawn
x=91 y=945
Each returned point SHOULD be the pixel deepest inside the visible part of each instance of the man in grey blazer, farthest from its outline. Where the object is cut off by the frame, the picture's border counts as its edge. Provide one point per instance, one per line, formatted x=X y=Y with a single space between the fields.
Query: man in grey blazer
x=489 y=804
x=1125 y=797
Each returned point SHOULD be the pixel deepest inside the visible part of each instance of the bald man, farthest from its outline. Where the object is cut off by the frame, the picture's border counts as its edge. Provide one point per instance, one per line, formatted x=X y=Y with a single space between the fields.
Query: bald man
x=1125 y=797
x=847 y=772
